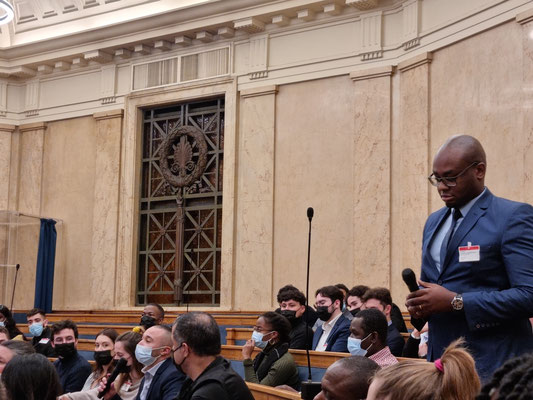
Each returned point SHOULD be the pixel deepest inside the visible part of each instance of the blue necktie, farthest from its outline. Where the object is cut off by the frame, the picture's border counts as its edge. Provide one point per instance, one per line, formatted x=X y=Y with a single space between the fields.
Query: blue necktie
x=456 y=214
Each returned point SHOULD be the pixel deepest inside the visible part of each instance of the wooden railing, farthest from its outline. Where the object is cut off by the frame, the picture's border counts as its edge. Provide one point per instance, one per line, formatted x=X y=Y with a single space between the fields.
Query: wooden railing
x=262 y=392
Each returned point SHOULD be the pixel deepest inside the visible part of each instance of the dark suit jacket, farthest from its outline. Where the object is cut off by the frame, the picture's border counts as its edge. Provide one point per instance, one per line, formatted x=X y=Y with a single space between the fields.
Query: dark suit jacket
x=497 y=290
x=395 y=341
x=338 y=337
x=166 y=383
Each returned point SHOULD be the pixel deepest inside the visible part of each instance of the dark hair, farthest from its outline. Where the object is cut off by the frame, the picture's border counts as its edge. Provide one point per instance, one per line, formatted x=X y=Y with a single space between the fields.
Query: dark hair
x=382 y=294
x=130 y=340
x=200 y=331
x=373 y=320
x=358 y=372
x=31 y=377
x=342 y=286
x=290 y=292
x=331 y=292
x=358 y=291
x=111 y=334
x=279 y=324
x=513 y=380
x=158 y=306
x=10 y=323
x=64 y=324
x=35 y=311
x=4 y=330
x=18 y=347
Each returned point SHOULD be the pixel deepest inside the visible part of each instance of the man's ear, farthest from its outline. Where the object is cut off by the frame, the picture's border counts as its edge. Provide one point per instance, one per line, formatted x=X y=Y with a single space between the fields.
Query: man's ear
x=45 y=323
x=388 y=309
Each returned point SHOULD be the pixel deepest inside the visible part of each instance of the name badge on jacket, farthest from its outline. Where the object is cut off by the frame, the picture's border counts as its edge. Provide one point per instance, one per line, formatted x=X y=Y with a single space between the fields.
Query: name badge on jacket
x=469 y=253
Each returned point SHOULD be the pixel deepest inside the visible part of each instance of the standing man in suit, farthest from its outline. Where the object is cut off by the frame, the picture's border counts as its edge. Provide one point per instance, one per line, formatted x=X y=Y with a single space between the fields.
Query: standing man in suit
x=477 y=263
x=333 y=334
x=161 y=381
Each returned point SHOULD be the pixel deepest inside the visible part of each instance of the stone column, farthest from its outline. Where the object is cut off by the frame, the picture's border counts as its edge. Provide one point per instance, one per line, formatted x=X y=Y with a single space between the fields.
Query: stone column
x=411 y=163
x=31 y=167
x=255 y=199
x=372 y=168
x=106 y=205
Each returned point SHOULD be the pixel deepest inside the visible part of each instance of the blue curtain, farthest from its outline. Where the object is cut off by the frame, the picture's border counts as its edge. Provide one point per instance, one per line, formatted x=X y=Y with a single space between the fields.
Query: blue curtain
x=44 y=280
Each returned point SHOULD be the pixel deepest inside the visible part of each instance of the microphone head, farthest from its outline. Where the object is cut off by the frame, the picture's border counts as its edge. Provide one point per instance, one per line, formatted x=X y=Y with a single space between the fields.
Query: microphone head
x=310 y=213
x=408 y=275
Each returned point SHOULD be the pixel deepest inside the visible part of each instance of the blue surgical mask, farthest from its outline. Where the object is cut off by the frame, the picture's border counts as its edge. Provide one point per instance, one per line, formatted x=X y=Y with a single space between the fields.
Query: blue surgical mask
x=36 y=329
x=143 y=354
x=2 y=323
x=257 y=337
x=354 y=346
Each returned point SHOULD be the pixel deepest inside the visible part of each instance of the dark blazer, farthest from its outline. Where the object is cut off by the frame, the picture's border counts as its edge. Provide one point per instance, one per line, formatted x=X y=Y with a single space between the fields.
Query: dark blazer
x=497 y=290
x=338 y=337
x=166 y=383
x=395 y=341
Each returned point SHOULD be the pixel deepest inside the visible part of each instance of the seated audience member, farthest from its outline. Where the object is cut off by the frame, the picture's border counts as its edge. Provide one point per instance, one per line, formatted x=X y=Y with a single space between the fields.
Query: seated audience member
x=71 y=367
x=513 y=380
x=161 y=379
x=196 y=341
x=152 y=315
x=292 y=306
x=12 y=348
x=417 y=343
x=4 y=334
x=369 y=337
x=310 y=316
x=380 y=299
x=396 y=317
x=342 y=287
x=31 y=377
x=41 y=332
x=103 y=356
x=452 y=377
x=333 y=334
x=126 y=385
x=354 y=298
x=347 y=378
x=7 y=320
x=274 y=365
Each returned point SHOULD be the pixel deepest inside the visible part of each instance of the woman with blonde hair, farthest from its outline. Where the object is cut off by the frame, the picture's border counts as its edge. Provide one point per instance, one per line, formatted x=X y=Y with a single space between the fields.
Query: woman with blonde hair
x=451 y=377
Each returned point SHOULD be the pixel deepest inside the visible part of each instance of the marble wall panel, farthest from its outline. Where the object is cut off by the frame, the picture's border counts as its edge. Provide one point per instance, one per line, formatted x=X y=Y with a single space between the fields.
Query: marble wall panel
x=372 y=168
x=105 y=211
x=314 y=167
x=31 y=166
x=6 y=132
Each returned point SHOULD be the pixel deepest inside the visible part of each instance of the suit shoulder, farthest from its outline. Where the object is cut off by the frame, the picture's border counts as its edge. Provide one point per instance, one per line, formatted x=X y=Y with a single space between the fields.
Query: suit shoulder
x=511 y=206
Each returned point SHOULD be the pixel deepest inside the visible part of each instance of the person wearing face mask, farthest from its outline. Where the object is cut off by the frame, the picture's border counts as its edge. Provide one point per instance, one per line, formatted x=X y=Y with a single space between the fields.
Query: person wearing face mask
x=369 y=337
x=7 y=321
x=196 y=349
x=292 y=306
x=162 y=381
x=41 y=332
x=71 y=367
x=153 y=314
x=274 y=366
x=333 y=334
x=354 y=298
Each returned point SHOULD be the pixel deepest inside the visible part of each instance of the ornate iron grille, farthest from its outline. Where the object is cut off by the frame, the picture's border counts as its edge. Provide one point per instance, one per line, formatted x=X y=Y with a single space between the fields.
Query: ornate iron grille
x=181 y=213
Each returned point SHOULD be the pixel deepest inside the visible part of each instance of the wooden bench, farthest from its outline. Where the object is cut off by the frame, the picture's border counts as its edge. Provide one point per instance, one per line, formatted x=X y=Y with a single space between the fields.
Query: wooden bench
x=262 y=392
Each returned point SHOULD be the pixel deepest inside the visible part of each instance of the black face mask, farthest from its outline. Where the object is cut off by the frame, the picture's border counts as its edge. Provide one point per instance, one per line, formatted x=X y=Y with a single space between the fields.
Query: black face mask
x=147 y=321
x=125 y=369
x=66 y=350
x=289 y=314
x=355 y=311
x=323 y=313
x=103 y=357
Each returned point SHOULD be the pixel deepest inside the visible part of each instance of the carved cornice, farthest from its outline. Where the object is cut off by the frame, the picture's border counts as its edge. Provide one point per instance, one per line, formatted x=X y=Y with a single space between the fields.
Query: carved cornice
x=260 y=91
x=372 y=73
x=37 y=126
x=421 y=59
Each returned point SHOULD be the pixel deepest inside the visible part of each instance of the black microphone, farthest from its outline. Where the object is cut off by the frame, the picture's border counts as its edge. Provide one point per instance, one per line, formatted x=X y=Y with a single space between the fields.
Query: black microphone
x=408 y=276
x=120 y=367
x=309 y=388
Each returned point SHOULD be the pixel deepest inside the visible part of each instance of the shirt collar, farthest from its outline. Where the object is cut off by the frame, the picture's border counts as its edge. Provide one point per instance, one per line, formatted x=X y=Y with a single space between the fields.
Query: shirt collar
x=466 y=208
x=331 y=323
x=153 y=370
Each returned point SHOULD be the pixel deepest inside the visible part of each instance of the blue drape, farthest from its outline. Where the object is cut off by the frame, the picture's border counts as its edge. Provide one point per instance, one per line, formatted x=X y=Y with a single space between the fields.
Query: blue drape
x=44 y=280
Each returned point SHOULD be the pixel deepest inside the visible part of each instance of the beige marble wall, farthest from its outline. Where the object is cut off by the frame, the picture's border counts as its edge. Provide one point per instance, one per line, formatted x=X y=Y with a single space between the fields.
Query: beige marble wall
x=103 y=264
x=31 y=167
x=372 y=183
x=254 y=229
x=6 y=133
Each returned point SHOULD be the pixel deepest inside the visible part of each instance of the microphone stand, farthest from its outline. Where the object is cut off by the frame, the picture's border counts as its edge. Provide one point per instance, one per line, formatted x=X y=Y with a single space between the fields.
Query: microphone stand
x=309 y=388
x=14 y=285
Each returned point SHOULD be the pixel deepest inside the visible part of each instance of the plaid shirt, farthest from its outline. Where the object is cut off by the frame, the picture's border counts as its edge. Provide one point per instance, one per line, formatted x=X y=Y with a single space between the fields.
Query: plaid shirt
x=384 y=358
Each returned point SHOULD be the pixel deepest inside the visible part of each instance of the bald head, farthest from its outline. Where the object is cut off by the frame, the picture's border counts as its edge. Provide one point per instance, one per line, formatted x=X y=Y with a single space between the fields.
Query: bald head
x=468 y=147
x=348 y=378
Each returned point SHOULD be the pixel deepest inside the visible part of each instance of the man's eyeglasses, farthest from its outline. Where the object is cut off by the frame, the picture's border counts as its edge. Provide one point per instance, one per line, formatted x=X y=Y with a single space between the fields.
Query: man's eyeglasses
x=450 y=181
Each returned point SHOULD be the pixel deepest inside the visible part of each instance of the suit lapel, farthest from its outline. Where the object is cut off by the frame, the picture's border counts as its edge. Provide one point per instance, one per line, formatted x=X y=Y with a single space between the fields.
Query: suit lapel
x=431 y=234
x=476 y=212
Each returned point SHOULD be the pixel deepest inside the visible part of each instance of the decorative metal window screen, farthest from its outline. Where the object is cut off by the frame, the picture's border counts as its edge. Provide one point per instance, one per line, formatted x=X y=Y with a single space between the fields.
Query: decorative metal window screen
x=186 y=270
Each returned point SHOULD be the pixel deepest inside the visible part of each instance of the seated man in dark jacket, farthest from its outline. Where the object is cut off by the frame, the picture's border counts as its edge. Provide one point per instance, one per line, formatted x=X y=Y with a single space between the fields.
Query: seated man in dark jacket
x=380 y=299
x=292 y=306
x=41 y=332
x=196 y=348
x=333 y=334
